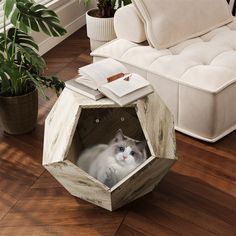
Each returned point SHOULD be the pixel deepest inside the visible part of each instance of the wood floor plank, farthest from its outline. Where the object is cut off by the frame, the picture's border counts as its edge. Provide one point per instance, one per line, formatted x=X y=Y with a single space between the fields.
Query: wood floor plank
x=213 y=148
x=191 y=207
x=58 y=230
x=138 y=224
x=162 y=219
x=214 y=163
x=200 y=201
x=200 y=188
x=6 y=202
x=56 y=207
x=17 y=171
x=46 y=181
x=126 y=230
x=197 y=197
x=187 y=169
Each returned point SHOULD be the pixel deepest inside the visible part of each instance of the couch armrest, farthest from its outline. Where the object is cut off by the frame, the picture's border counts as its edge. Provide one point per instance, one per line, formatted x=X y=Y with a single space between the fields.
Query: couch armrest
x=128 y=25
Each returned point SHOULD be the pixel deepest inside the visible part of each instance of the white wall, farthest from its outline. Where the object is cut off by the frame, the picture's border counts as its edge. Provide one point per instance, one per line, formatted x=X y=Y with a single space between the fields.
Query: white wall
x=72 y=17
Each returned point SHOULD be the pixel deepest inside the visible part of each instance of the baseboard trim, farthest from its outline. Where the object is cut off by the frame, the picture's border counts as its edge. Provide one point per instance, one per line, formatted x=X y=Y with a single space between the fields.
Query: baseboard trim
x=72 y=17
x=50 y=42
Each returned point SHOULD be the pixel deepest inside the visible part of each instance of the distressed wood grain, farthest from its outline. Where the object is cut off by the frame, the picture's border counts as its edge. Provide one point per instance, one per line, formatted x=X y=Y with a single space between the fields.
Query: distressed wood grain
x=80 y=184
x=77 y=122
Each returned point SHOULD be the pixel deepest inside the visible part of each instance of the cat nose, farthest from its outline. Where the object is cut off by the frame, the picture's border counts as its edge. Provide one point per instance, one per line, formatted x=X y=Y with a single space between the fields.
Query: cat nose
x=125 y=157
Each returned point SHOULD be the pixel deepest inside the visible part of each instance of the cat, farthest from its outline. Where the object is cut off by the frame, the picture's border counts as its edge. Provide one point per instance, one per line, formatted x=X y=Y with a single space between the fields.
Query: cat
x=112 y=162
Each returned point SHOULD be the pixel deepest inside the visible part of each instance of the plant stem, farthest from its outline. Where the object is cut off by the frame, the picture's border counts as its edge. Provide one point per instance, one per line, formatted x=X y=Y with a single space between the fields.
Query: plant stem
x=5 y=33
x=14 y=42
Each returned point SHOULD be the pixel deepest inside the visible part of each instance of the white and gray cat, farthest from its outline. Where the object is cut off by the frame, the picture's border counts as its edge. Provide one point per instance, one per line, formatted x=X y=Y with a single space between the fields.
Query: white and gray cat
x=111 y=163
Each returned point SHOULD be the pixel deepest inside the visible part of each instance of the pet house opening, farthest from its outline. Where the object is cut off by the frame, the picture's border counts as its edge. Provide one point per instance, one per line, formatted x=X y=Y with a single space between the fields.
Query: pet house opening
x=108 y=143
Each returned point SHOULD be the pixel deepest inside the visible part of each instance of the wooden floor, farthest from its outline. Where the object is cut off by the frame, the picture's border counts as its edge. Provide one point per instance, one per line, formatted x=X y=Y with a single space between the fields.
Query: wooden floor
x=197 y=197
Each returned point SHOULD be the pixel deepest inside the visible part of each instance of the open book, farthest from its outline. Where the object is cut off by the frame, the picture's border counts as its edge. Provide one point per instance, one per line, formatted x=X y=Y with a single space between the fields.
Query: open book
x=110 y=78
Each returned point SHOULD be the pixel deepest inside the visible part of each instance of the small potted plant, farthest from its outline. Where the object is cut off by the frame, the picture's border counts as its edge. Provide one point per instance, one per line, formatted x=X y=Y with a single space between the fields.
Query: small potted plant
x=21 y=70
x=100 y=21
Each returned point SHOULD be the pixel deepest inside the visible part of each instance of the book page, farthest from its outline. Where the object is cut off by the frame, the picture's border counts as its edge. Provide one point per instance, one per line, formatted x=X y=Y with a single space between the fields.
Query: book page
x=100 y=71
x=122 y=87
x=86 y=82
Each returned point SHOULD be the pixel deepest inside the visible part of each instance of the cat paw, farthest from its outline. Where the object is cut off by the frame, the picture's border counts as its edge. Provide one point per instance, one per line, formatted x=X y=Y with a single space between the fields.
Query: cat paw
x=111 y=172
x=109 y=177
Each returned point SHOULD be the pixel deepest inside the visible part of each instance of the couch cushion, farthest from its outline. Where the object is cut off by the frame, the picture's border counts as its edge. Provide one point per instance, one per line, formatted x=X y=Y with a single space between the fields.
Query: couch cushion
x=208 y=54
x=132 y=30
x=168 y=22
x=196 y=78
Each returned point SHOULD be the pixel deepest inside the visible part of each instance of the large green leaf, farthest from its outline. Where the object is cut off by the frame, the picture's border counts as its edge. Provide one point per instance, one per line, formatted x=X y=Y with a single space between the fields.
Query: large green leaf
x=41 y=82
x=23 y=46
x=126 y=2
x=52 y=82
x=5 y=45
x=8 y=7
x=21 y=38
x=113 y=3
x=123 y=2
x=20 y=64
x=37 y=84
x=14 y=17
x=86 y=2
x=2 y=41
x=29 y=15
x=10 y=79
x=3 y=75
x=32 y=58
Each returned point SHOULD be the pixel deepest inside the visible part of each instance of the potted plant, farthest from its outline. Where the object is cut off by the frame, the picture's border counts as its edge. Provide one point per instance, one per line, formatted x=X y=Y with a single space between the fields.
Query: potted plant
x=21 y=70
x=100 y=21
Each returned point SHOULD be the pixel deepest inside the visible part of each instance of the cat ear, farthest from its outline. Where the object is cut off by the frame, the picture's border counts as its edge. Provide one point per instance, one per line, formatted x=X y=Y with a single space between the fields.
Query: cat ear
x=119 y=136
x=141 y=145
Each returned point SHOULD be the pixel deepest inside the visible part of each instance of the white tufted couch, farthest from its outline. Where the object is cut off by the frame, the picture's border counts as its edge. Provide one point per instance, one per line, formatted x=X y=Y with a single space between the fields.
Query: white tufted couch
x=195 y=78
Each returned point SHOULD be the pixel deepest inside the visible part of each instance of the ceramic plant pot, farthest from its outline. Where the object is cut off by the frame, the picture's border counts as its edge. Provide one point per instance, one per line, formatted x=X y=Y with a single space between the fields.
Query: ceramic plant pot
x=18 y=115
x=99 y=30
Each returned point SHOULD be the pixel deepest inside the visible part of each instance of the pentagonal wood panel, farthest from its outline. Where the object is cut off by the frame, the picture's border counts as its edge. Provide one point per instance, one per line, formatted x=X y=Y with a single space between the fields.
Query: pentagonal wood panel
x=77 y=122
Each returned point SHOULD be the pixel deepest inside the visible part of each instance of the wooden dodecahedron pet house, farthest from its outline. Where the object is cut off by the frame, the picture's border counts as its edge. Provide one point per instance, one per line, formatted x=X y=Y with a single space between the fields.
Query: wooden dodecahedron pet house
x=77 y=122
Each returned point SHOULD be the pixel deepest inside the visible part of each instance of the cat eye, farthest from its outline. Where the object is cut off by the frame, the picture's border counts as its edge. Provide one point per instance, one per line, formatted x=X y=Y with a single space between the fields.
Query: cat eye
x=132 y=153
x=121 y=149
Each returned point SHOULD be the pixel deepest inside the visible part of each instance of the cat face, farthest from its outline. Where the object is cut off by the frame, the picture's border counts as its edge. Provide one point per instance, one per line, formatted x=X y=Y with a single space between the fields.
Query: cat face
x=128 y=151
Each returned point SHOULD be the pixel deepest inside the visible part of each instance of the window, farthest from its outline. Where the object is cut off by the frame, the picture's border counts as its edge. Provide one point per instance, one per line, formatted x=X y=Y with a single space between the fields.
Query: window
x=1 y=15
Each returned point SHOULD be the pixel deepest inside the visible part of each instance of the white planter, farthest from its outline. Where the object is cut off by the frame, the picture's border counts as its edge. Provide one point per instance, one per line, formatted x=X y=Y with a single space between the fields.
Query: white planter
x=99 y=30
